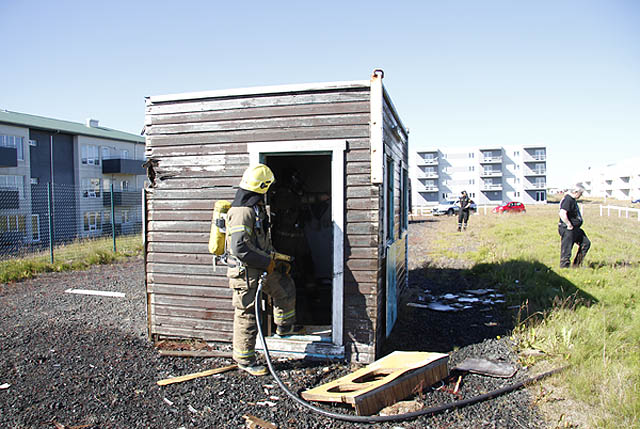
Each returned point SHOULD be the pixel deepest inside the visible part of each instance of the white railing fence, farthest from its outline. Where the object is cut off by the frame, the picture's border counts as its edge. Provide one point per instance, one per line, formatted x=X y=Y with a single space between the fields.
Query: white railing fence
x=626 y=210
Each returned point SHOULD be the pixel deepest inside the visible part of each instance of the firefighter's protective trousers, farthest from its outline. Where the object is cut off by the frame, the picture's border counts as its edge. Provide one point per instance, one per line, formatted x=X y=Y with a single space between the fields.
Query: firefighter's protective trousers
x=250 y=248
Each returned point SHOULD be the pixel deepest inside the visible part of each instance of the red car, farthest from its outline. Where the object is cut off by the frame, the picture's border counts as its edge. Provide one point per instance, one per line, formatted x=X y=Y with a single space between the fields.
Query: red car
x=512 y=207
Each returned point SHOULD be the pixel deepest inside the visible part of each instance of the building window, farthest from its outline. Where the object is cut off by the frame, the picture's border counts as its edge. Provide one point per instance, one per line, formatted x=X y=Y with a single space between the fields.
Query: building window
x=13 y=182
x=472 y=155
x=125 y=154
x=472 y=181
x=404 y=206
x=125 y=185
x=390 y=200
x=91 y=188
x=14 y=142
x=91 y=221
x=14 y=223
x=35 y=227
x=89 y=154
x=516 y=153
x=105 y=152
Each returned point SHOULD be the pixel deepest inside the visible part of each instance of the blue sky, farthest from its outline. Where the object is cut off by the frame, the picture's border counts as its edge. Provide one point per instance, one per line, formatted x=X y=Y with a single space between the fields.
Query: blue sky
x=563 y=73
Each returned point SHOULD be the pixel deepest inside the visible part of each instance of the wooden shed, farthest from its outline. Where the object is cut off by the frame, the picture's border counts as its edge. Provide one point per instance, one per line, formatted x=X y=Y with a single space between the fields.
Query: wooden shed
x=347 y=140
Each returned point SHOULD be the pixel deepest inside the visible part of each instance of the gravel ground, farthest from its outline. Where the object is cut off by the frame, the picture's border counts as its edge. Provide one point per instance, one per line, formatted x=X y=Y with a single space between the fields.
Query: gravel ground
x=85 y=361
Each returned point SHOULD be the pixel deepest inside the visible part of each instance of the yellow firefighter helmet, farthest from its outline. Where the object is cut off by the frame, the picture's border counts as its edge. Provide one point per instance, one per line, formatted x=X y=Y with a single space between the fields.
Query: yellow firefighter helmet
x=257 y=178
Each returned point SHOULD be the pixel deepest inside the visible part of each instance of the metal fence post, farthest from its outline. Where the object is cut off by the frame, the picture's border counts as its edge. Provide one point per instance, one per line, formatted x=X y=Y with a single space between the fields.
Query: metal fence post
x=113 y=221
x=50 y=209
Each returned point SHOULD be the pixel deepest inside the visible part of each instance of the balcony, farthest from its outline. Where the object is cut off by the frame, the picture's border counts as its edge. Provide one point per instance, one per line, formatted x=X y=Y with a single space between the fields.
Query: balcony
x=122 y=198
x=8 y=157
x=492 y=187
x=491 y=173
x=427 y=174
x=537 y=172
x=535 y=185
x=536 y=157
x=122 y=166
x=491 y=159
x=9 y=198
x=427 y=161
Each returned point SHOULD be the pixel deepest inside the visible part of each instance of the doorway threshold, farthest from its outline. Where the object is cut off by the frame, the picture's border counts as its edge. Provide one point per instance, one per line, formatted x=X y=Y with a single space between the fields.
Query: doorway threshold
x=316 y=343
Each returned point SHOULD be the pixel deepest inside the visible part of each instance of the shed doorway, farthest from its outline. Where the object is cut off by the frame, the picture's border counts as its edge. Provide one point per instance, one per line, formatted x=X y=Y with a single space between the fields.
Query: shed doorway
x=307 y=205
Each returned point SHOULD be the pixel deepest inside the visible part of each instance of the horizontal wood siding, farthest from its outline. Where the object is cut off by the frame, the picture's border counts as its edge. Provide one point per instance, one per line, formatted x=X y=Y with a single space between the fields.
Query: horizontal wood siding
x=398 y=150
x=199 y=152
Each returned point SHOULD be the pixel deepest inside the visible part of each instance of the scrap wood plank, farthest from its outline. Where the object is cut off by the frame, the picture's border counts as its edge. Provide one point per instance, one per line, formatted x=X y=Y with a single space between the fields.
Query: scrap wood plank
x=196 y=375
x=195 y=353
x=384 y=382
x=254 y=422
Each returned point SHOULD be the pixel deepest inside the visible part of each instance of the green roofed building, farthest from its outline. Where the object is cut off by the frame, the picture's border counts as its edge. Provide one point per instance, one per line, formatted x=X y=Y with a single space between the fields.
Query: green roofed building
x=79 y=163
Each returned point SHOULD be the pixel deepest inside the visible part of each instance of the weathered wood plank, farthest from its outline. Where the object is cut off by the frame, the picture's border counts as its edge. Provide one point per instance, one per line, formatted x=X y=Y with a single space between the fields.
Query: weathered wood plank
x=181 y=269
x=358 y=180
x=195 y=324
x=260 y=113
x=167 y=215
x=181 y=258
x=358 y=167
x=211 y=195
x=262 y=135
x=214 y=171
x=200 y=248
x=169 y=204
x=362 y=191
x=363 y=204
x=172 y=332
x=178 y=237
x=359 y=156
x=197 y=182
x=360 y=228
x=191 y=302
x=179 y=226
x=370 y=241
x=367 y=252
x=253 y=102
x=155 y=152
x=353 y=288
x=363 y=216
x=196 y=313
x=362 y=264
x=194 y=280
x=255 y=124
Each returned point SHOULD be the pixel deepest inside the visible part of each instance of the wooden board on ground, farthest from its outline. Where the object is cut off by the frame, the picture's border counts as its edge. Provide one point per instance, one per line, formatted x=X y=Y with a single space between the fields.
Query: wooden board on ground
x=384 y=382
x=196 y=375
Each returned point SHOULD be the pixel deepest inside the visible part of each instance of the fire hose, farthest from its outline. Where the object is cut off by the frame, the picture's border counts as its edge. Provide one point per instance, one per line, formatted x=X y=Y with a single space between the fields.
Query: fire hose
x=376 y=419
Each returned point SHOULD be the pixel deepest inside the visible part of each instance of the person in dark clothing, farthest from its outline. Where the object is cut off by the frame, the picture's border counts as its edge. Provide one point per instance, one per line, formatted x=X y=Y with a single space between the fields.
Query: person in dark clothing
x=463 y=214
x=569 y=228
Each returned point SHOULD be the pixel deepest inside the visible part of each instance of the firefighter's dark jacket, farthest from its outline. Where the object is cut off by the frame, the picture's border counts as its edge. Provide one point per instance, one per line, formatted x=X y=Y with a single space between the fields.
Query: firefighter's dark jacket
x=247 y=231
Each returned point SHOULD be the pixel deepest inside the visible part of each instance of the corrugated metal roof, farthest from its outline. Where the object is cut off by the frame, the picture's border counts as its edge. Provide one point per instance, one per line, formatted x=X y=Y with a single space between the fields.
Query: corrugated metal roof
x=40 y=122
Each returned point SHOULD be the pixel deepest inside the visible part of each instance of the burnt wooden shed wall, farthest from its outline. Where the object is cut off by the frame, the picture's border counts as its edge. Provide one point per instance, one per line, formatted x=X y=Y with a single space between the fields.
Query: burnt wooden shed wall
x=198 y=149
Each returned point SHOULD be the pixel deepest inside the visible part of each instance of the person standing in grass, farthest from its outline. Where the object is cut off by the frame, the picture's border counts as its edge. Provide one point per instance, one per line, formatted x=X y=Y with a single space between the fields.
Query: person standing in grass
x=569 y=228
x=463 y=214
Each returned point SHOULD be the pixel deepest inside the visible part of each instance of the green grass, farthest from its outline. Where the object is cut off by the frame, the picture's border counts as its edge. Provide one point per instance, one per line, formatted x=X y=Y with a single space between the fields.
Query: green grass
x=77 y=255
x=587 y=318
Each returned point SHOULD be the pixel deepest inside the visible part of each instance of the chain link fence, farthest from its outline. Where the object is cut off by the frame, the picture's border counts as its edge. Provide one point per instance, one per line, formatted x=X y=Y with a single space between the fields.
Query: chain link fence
x=38 y=217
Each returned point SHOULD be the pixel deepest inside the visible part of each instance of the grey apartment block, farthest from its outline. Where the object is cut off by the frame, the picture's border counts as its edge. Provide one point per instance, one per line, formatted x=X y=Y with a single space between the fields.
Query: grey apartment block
x=81 y=161
x=490 y=175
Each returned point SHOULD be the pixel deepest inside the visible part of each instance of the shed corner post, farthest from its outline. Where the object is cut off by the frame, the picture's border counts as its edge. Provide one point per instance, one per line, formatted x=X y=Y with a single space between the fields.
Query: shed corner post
x=376 y=127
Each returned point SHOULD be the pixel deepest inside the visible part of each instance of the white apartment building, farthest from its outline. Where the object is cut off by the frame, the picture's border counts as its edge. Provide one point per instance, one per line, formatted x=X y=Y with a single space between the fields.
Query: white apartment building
x=490 y=175
x=620 y=181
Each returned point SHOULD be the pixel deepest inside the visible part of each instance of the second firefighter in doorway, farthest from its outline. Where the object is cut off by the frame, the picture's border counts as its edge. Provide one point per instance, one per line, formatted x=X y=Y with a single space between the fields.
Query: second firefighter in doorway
x=290 y=207
x=251 y=254
x=465 y=208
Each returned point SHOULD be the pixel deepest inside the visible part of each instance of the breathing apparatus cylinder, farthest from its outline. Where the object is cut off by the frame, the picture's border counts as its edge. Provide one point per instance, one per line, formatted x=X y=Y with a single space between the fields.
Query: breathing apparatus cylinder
x=218 y=227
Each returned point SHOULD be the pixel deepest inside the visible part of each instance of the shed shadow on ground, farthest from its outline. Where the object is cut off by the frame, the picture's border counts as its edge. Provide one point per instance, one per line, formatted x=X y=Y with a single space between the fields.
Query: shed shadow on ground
x=529 y=288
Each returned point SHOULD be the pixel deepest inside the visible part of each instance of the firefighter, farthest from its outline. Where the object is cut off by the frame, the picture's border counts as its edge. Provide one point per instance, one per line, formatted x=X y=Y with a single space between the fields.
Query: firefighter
x=250 y=255
x=463 y=214
x=290 y=209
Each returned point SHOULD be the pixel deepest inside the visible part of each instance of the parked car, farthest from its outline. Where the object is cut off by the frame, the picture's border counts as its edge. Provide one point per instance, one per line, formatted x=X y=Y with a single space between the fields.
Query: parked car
x=637 y=200
x=450 y=208
x=512 y=207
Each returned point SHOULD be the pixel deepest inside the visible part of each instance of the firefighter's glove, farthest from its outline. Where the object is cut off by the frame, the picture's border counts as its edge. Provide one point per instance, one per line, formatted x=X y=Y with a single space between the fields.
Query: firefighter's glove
x=272 y=266
x=283 y=267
